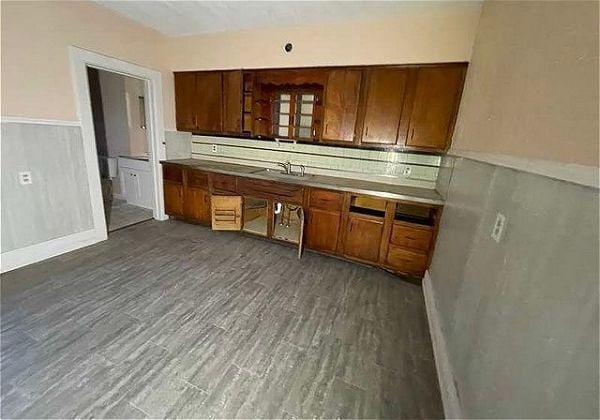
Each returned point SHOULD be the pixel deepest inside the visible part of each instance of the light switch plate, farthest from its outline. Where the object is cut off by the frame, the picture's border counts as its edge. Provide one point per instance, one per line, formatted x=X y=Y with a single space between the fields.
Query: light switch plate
x=499 y=226
x=25 y=178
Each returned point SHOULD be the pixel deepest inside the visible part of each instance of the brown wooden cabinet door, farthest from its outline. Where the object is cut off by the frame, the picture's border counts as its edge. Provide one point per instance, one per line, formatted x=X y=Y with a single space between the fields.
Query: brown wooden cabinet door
x=196 y=205
x=232 y=101
x=437 y=94
x=322 y=229
x=363 y=237
x=383 y=106
x=226 y=212
x=341 y=105
x=173 y=194
x=185 y=97
x=209 y=101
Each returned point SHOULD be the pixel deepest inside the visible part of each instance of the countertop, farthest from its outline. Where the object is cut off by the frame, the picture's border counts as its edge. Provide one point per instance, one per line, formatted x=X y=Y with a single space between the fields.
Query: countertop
x=379 y=189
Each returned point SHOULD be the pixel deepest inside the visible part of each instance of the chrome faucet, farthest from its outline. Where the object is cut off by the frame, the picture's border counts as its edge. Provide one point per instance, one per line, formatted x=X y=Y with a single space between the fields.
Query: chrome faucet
x=287 y=166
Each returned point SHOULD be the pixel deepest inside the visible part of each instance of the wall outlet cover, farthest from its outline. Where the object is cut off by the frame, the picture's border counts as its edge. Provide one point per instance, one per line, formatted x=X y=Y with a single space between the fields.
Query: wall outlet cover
x=25 y=178
x=499 y=226
x=214 y=148
x=406 y=171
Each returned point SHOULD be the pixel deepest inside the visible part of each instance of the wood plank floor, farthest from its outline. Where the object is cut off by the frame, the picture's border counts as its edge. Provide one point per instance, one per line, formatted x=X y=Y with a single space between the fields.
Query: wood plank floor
x=167 y=319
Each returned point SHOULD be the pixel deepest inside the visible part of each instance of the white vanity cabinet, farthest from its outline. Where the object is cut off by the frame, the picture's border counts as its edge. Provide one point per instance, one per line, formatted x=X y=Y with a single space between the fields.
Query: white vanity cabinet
x=135 y=177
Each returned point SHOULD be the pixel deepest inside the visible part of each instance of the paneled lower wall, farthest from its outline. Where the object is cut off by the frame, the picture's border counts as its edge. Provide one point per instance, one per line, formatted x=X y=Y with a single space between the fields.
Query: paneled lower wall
x=519 y=317
x=57 y=203
x=390 y=167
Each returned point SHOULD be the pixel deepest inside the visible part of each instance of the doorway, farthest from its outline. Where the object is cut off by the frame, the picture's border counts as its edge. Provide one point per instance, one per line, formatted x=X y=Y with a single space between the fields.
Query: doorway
x=119 y=112
x=81 y=60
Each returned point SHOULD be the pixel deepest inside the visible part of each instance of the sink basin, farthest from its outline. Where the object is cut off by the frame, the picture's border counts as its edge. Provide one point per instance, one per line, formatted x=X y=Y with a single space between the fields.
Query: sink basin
x=278 y=172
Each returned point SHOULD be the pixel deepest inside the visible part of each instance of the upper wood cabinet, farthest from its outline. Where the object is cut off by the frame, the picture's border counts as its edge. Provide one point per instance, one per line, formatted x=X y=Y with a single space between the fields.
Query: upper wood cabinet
x=412 y=107
x=384 y=93
x=341 y=105
x=232 y=101
x=209 y=94
x=436 y=97
x=185 y=101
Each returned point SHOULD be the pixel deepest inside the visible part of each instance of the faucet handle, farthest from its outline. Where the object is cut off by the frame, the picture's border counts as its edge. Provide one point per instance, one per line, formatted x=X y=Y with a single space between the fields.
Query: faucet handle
x=302 y=170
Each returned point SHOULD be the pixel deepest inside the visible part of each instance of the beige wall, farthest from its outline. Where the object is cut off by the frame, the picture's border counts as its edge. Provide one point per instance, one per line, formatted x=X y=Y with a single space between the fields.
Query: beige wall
x=433 y=33
x=36 y=74
x=532 y=85
x=36 y=78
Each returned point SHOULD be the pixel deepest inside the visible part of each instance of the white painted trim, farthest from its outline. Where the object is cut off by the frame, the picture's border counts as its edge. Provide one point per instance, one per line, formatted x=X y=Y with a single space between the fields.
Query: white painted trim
x=25 y=120
x=588 y=176
x=452 y=407
x=80 y=60
x=31 y=254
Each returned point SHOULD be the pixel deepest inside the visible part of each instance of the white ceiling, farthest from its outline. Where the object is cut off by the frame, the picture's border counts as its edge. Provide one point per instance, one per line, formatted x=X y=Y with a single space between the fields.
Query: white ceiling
x=179 y=18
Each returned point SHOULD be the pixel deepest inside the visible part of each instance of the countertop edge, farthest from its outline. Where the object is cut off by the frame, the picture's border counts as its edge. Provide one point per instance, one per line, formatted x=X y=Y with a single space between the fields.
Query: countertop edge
x=308 y=183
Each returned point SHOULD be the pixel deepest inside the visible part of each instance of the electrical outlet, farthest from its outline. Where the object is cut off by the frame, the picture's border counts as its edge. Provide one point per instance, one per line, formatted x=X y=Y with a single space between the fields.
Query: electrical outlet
x=25 y=178
x=499 y=226
x=406 y=171
x=214 y=148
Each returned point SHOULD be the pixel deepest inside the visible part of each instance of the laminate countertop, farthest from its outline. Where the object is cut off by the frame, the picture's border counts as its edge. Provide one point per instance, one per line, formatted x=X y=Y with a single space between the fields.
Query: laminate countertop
x=378 y=189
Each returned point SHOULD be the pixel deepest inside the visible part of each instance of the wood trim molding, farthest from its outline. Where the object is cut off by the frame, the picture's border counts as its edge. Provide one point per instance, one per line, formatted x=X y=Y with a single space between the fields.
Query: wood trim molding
x=31 y=254
x=450 y=399
x=588 y=176
x=27 y=120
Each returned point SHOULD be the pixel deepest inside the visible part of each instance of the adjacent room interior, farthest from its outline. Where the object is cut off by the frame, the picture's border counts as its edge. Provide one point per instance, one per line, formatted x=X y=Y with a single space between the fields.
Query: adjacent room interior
x=285 y=209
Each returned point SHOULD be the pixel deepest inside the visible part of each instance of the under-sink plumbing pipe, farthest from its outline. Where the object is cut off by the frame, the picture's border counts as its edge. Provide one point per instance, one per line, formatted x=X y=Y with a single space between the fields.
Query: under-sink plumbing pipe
x=278 y=207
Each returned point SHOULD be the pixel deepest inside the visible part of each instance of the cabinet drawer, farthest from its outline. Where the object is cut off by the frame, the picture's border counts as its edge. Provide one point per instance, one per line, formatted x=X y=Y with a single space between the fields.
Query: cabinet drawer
x=268 y=189
x=173 y=173
x=406 y=261
x=197 y=179
x=326 y=200
x=411 y=237
x=225 y=183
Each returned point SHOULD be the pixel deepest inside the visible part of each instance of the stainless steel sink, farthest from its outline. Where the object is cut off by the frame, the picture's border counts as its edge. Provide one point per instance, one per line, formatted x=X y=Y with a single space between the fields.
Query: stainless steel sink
x=278 y=173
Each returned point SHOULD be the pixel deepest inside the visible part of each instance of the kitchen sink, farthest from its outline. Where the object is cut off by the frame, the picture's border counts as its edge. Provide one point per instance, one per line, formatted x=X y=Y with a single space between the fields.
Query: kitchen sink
x=279 y=173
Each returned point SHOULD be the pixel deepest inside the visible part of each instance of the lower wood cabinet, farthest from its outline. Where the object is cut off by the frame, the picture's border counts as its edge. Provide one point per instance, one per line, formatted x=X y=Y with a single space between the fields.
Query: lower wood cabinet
x=397 y=236
x=362 y=238
x=173 y=193
x=322 y=229
x=196 y=205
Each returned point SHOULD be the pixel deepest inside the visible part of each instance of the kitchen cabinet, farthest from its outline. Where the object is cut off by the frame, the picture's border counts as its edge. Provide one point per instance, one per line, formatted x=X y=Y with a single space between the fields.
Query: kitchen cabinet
x=209 y=103
x=173 y=194
x=323 y=229
x=232 y=102
x=185 y=101
x=226 y=212
x=396 y=235
x=437 y=94
x=199 y=101
x=412 y=106
x=362 y=238
x=340 y=106
x=384 y=93
x=196 y=205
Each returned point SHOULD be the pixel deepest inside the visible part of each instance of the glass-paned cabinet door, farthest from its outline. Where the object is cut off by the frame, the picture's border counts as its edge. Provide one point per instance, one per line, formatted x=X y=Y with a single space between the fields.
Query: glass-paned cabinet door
x=256 y=216
x=282 y=108
x=304 y=115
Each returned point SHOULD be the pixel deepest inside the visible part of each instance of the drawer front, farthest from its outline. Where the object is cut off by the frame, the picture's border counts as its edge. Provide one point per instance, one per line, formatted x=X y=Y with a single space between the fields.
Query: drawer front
x=225 y=183
x=268 y=189
x=326 y=200
x=173 y=173
x=406 y=261
x=197 y=178
x=411 y=237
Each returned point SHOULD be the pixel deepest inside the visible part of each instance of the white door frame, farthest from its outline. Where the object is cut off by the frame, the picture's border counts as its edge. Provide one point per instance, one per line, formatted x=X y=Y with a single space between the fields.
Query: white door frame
x=80 y=60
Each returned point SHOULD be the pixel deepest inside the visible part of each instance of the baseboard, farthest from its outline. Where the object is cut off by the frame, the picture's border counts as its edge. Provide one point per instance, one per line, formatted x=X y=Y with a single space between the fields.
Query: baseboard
x=24 y=256
x=452 y=408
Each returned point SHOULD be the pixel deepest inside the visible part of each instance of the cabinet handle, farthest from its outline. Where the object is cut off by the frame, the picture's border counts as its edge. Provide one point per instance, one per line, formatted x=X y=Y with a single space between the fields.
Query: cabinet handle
x=412 y=133
x=367 y=132
x=195 y=121
x=326 y=126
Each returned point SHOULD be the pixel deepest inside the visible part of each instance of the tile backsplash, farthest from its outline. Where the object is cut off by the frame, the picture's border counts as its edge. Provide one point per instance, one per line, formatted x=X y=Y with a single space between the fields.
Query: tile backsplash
x=374 y=165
